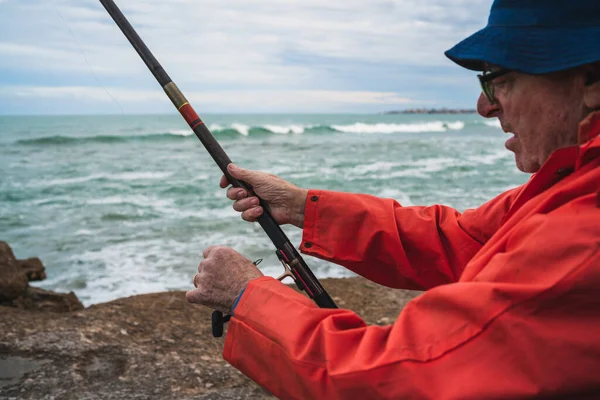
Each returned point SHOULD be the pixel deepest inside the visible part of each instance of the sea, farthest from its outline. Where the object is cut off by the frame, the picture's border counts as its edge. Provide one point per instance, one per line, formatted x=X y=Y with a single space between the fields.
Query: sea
x=122 y=205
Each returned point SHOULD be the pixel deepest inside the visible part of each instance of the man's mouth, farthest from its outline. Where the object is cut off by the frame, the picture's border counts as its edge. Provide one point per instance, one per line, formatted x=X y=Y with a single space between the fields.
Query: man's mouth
x=507 y=129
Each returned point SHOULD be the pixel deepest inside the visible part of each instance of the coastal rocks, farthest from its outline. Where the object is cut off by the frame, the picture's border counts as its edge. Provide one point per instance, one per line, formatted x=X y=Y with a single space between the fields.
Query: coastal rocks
x=153 y=346
x=15 y=291
x=13 y=281
x=45 y=300
x=33 y=268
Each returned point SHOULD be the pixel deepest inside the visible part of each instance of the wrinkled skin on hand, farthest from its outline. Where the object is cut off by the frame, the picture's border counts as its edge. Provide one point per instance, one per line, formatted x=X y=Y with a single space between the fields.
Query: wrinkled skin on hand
x=221 y=276
x=286 y=201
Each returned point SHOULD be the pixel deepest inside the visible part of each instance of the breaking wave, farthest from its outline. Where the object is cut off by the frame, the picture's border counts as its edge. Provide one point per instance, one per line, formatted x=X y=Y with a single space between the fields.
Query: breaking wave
x=238 y=129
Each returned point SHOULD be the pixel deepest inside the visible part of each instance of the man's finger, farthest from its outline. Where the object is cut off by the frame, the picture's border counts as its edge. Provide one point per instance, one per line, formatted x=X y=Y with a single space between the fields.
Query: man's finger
x=245 y=204
x=195 y=296
x=224 y=182
x=208 y=250
x=236 y=193
x=252 y=214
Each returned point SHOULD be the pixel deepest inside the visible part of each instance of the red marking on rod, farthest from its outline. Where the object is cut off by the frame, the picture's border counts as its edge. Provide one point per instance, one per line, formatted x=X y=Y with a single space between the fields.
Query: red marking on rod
x=284 y=256
x=310 y=294
x=190 y=116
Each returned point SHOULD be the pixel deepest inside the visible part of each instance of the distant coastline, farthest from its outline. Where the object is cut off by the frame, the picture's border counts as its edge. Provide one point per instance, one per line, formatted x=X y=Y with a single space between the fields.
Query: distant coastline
x=433 y=111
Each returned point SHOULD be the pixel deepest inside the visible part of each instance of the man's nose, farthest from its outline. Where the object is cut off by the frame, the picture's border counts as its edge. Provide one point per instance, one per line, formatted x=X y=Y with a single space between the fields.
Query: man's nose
x=485 y=108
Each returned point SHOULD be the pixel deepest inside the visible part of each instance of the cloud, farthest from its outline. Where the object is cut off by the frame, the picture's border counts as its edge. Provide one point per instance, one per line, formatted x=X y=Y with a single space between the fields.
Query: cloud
x=255 y=100
x=351 y=46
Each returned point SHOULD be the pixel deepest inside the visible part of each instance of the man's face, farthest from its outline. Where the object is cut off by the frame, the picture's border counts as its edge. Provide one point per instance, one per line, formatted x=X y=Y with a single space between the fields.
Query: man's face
x=542 y=112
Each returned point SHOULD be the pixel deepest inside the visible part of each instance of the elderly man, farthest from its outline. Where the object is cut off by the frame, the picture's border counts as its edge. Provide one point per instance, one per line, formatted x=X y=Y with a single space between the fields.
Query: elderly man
x=512 y=301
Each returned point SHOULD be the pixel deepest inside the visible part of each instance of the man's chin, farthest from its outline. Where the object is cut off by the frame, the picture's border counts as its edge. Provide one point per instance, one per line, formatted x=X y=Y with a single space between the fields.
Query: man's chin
x=525 y=165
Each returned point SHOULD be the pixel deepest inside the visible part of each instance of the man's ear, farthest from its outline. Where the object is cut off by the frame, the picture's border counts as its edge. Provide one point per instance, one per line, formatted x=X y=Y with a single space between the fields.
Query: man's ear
x=591 y=96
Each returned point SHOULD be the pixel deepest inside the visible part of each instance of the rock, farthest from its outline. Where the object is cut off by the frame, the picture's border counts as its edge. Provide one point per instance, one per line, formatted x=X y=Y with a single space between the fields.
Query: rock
x=167 y=353
x=16 y=292
x=13 y=280
x=44 y=300
x=33 y=268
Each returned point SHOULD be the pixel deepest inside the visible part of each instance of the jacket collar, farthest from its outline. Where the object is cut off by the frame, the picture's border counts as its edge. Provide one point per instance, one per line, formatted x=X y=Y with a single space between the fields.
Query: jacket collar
x=589 y=139
x=589 y=128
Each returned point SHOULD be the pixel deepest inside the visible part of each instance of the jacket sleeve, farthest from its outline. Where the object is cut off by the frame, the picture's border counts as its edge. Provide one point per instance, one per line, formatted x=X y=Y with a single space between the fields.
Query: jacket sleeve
x=526 y=326
x=401 y=247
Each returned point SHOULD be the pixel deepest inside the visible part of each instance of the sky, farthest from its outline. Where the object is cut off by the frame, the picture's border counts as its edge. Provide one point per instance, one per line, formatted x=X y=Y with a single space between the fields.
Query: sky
x=234 y=56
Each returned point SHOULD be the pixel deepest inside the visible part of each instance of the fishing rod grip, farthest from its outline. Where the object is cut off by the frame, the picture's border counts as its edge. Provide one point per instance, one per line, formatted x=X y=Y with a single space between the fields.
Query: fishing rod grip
x=323 y=300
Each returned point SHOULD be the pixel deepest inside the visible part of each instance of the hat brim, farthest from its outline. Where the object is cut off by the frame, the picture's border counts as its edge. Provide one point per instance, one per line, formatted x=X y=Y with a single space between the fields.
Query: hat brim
x=531 y=50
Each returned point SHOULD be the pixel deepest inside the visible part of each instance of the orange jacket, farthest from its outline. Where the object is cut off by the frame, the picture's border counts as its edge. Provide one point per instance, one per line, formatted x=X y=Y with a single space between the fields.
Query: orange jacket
x=512 y=308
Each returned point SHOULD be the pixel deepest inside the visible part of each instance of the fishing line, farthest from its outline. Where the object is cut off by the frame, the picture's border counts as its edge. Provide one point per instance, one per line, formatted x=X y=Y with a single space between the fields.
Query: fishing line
x=80 y=48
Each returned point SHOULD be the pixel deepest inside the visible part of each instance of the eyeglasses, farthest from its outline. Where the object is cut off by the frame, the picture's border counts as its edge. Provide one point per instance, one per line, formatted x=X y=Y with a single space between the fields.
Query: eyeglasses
x=487 y=85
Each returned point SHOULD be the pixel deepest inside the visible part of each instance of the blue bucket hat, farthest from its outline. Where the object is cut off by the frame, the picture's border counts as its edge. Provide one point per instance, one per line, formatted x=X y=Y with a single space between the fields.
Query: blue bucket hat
x=534 y=36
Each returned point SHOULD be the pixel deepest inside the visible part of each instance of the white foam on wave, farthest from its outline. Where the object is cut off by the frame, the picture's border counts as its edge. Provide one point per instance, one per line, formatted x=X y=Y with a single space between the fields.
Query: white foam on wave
x=202 y=213
x=51 y=200
x=494 y=124
x=215 y=127
x=438 y=164
x=395 y=194
x=123 y=176
x=303 y=175
x=433 y=126
x=377 y=166
x=241 y=128
x=410 y=173
x=295 y=129
x=181 y=132
x=280 y=169
x=134 y=176
x=200 y=177
x=84 y=232
x=69 y=181
x=135 y=200
x=490 y=159
x=209 y=214
x=130 y=268
x=456 y=126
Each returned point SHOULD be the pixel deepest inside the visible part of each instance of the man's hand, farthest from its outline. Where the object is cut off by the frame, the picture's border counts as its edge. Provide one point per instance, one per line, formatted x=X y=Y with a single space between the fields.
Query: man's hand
x=221 y=276
x=286 y=201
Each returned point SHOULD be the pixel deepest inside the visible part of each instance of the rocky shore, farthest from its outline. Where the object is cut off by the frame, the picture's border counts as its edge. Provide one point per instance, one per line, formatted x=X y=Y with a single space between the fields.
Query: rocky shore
x=154 y=346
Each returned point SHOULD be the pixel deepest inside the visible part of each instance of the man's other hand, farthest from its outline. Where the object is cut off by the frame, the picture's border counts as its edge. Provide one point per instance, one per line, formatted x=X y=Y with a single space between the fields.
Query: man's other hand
x=221 y=277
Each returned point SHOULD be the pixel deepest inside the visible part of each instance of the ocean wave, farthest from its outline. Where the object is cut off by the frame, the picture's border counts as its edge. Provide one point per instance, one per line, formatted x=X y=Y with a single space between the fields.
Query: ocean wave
x=240 y=129
x=66 y=140
x=122 y=176
x=74 y=140
x=433 y=126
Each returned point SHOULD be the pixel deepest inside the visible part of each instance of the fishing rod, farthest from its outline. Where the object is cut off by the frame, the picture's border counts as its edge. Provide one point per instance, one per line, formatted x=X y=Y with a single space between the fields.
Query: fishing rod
x=292 y=261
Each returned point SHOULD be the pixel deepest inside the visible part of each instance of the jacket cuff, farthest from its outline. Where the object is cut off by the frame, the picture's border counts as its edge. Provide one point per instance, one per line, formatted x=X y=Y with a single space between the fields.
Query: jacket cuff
x=264 y=299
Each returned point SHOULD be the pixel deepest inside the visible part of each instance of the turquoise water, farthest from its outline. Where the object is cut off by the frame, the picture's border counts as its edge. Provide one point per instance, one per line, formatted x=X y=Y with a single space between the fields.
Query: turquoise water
x=122 y=205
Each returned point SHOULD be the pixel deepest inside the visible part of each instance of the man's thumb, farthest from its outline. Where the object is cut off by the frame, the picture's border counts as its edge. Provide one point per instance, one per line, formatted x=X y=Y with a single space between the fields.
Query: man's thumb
x=240 y=173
